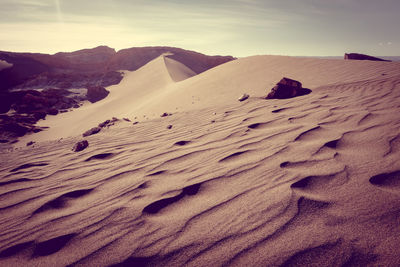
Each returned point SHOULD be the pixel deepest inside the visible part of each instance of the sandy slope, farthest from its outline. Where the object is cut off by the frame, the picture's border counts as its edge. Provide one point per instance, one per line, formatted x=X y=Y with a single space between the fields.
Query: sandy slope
x=309 y=181
x=163 y=86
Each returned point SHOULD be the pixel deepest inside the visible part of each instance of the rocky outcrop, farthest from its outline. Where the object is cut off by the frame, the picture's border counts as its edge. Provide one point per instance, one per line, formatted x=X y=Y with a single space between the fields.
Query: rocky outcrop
x=72 y=80
x=17 y=125
x=356 y=56
x=28 y=107
x=96 y=93
x=287 y=88
x=48 y=101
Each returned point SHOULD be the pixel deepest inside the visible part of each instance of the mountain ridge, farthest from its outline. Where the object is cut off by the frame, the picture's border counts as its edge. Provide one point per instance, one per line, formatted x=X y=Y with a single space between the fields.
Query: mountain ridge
x=93 y=66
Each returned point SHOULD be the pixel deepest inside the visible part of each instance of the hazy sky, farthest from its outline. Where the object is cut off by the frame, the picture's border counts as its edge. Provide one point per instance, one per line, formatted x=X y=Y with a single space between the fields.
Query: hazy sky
x=234 y=27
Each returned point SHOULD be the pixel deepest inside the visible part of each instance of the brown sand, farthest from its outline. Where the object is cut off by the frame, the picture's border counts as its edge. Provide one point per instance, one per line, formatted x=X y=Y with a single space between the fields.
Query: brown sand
x=308 y=181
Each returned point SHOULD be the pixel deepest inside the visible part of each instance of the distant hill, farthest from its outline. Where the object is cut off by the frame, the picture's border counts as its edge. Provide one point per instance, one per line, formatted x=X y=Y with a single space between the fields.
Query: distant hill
x=390 y=58
x=96 y=66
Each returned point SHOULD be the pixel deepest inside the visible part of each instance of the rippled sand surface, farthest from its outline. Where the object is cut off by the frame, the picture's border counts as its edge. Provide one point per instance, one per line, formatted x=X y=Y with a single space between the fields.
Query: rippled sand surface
x=308 y=181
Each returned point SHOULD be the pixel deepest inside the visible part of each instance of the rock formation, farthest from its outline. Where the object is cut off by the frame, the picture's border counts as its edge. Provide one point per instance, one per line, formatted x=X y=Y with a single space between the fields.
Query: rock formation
x=96 y=93
x=287 y=88
x=81 y=145
x=92 y=131
x=355 y=56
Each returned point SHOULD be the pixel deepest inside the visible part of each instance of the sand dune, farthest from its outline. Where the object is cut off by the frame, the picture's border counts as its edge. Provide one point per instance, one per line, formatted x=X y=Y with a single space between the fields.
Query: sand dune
x=307 y=181
x=164 y=85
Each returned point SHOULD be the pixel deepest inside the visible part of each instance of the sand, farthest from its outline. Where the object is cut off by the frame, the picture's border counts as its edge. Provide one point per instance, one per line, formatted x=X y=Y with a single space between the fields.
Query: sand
x=308 y=181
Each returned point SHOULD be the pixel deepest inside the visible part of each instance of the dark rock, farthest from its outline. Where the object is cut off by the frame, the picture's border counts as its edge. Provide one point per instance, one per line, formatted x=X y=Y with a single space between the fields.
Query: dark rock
x=30 y=143
x=111 y=78
x=165 y=114
x=39 y=115
x=6 y=100
x=92 y=131
x=37 y=129
x=3 y=141
x=287 y=88
x=81 y=145
x=15 y=128
x=169 y=126
x=243 y=97
x=104 y=123
x=126 y=119
x=356 y=56
x=52 y=111
x=96 y=93
x=136 y=122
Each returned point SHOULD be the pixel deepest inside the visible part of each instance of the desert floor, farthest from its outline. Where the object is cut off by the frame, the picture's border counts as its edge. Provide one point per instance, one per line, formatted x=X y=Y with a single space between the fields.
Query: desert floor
x=307 y=181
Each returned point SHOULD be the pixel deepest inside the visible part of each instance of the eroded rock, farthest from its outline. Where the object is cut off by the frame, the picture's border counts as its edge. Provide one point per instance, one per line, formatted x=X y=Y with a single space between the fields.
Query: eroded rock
x=287 y=88
x=92 y=131
x=81 y=145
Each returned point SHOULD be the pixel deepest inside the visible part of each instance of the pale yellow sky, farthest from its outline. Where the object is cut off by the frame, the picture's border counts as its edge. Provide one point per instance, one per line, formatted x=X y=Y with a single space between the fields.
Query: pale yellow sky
x=235 y=27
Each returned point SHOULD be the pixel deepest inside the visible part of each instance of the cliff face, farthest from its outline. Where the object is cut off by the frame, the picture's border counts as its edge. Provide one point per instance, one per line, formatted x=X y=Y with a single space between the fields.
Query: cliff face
x=90 y=67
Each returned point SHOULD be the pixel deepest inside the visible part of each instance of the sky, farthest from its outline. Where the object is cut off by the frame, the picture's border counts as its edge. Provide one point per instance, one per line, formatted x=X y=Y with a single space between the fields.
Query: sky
x=219 y=27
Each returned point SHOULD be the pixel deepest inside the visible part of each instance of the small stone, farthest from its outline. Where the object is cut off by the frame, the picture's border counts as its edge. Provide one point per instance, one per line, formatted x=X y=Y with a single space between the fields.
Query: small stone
x=243 y=97
x=30 y=143
x=92 y=131
x=126 y=119
x=169 y=126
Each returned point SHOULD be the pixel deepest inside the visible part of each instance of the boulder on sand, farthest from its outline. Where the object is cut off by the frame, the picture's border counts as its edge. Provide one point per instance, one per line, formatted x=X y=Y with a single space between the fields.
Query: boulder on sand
x=92 y=131
x=287 y=88
x=81 y=145
x=96 y=93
